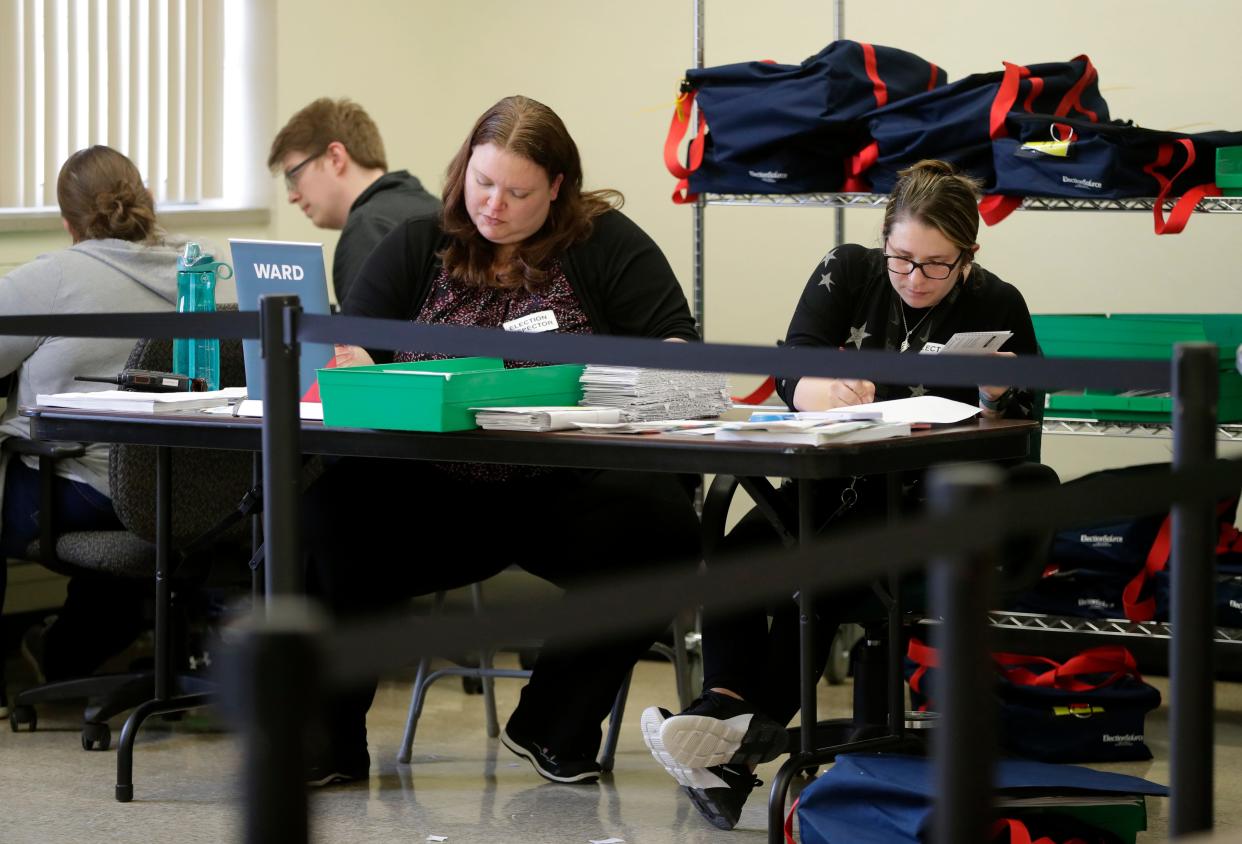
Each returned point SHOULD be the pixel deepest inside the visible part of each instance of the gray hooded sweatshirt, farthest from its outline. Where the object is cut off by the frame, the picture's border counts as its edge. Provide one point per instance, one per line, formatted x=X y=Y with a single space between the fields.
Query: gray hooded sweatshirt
x=94 y=276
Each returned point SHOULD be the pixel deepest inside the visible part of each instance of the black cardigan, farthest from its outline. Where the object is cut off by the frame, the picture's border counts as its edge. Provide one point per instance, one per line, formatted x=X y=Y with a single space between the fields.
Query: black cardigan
x=621 y=278
x=849 y=303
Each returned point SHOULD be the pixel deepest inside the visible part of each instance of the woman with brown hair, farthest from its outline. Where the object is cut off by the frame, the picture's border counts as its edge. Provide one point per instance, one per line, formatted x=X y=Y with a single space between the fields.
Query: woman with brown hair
x=118 y=262
x=921 y=286
x=518 y=243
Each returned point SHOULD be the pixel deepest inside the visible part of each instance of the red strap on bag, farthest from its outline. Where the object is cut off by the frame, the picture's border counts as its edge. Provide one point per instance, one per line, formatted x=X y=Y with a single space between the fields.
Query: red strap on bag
x=1185 y=206
x=1230 y=540
x=1144 y=609
x=1113 y=660
x=793 y=810
x=994 y=208
x=1018 y=833
x=677 y=129
x=873 y=73
x=760 y=394
x=858 y=164
x=1073 y=97
x=925 y=657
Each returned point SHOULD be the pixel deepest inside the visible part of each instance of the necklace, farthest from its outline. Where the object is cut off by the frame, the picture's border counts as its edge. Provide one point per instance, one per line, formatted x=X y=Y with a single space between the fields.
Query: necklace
x=905 y=344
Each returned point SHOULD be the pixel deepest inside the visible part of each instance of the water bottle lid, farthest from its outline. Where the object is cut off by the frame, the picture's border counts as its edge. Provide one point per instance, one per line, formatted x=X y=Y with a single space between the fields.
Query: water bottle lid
x=191 y=256
x=193 y=259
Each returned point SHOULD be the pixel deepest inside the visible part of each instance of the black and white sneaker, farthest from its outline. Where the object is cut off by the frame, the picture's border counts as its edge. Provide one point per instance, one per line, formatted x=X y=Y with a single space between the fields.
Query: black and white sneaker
x=720 y=802
x=717 y=791
x=714 y=730
x=549 y=765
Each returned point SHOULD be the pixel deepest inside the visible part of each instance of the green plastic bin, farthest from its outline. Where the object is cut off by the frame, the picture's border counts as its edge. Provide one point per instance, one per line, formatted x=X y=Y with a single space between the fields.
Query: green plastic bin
x=436 y=395
x=1229 y=170
x=1141 y=337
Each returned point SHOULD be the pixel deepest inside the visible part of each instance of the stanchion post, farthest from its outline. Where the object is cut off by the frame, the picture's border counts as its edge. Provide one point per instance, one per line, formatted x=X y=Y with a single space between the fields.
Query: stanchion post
x=965 y=737
x=271 y=678
x=1191 y=675
x=282 y=469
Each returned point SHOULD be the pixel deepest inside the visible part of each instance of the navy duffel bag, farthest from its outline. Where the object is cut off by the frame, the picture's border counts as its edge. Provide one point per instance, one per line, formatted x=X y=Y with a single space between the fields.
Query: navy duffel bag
x=1047 y=155
x=1090 y=708
x=778 y=128
x=887 y=798
x=957 y=123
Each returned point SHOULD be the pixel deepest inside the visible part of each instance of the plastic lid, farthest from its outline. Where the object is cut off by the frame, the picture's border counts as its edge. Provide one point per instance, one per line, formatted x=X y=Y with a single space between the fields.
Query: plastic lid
x=193 y=256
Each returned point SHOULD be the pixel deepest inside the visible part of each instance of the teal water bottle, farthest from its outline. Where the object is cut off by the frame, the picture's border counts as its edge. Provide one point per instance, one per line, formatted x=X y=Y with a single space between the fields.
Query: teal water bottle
x=197 y=272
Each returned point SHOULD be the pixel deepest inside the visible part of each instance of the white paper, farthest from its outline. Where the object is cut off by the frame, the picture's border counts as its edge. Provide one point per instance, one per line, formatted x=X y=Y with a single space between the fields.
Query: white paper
x=254 y=408
x=437 y=838
x=137 y=397
x=131 y=400
x=916 y=410
x=607 y=841
x=969 y=343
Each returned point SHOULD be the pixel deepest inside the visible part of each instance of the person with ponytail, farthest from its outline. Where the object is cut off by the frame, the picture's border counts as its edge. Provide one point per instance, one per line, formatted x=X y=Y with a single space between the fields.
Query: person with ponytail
x=119 y=261
x=921 y=285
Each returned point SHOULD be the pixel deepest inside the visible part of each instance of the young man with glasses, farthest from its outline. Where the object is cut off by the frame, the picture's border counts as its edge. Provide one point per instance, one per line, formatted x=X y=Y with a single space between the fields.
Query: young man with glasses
x=332 y=159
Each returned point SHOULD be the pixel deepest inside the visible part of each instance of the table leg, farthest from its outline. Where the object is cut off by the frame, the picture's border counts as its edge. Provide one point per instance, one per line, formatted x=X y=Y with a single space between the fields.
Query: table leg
x=896 y=680
x=806 y=617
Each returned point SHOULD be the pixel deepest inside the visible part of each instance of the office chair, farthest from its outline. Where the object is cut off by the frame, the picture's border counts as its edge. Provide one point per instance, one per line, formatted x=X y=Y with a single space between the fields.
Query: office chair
x=485 y=673
x=206 y=488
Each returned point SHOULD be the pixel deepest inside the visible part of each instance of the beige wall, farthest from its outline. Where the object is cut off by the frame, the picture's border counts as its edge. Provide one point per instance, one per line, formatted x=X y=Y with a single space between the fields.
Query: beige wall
x=425 y=69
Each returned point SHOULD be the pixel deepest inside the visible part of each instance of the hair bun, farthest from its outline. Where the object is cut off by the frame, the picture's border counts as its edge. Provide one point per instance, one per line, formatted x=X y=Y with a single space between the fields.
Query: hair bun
x=101 y=195
x=121 y=213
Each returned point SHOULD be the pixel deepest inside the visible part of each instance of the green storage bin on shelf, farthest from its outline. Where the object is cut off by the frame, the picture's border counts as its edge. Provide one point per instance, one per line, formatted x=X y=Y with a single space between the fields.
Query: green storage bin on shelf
x=1229 y=170
x=436 y=395
x=1142 y=337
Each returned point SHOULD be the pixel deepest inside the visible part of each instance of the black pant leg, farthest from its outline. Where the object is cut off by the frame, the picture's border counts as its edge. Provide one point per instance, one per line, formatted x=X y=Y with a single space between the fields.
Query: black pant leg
x=762 y=663
x=101 y=616
x=609 y=524
x=736 y=643
x=368 y=527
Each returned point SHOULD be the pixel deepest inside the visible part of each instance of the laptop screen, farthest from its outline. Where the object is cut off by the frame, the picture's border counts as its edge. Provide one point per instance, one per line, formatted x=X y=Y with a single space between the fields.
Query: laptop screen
x=265 y=267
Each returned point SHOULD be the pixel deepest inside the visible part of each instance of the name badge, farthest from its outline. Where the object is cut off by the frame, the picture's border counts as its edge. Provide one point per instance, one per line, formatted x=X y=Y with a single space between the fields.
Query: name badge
x=533 y=323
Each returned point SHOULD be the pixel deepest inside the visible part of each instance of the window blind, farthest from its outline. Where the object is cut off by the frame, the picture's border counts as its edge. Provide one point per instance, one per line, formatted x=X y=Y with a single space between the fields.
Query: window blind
x=143 y=76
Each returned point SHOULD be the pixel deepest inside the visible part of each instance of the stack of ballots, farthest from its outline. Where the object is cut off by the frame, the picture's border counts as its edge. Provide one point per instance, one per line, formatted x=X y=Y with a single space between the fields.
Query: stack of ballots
x=648 y=394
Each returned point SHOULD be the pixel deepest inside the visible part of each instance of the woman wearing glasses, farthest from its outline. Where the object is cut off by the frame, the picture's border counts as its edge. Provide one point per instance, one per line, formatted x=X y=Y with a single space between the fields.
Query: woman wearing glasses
x=921 y=286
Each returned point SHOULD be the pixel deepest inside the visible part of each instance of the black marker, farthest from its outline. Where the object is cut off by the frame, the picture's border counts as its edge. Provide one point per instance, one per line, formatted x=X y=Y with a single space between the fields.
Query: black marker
x=148 y=381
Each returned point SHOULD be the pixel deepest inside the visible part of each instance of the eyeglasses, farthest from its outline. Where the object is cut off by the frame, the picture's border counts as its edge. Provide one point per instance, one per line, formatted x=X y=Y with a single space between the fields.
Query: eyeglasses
x=934 y=270
x=291 y=175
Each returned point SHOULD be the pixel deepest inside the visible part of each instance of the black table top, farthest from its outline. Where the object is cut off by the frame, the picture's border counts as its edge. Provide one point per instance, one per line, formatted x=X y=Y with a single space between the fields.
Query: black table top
x=981 y=440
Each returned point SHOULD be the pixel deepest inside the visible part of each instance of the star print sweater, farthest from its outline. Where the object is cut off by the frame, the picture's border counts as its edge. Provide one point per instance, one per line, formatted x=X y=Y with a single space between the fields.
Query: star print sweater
x=849 y=303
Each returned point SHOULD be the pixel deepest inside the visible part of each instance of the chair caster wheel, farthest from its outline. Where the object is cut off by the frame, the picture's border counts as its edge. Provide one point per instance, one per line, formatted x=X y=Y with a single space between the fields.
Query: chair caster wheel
x=96 y=736
x=472 y=685
x=20 y=715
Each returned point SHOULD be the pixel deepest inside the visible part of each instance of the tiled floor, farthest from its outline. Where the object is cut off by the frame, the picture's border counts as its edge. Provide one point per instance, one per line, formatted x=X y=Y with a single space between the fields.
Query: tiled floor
x=461 y=784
